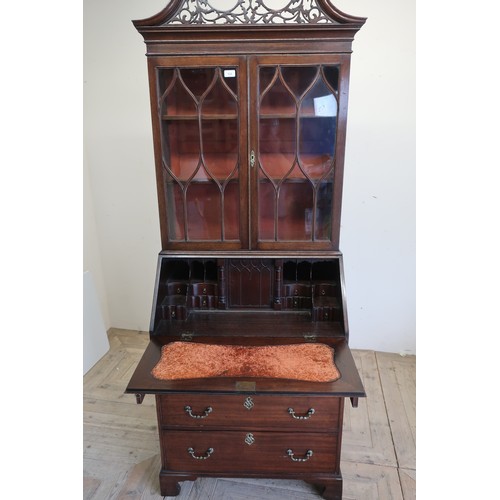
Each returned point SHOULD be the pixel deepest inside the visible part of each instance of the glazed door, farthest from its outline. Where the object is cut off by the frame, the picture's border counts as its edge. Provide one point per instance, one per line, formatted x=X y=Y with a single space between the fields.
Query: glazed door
x=200 y=147
x=297 y=125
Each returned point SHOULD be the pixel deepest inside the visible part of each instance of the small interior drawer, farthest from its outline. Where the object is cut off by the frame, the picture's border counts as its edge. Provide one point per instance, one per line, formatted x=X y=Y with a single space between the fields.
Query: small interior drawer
x=283 y=412
x=296 y=290
x=325 y=290
x=177 y=288
x=202 y=289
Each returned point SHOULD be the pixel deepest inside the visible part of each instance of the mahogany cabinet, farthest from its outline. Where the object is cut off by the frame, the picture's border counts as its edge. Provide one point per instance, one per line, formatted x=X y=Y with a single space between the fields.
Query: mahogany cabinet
x=249 y=109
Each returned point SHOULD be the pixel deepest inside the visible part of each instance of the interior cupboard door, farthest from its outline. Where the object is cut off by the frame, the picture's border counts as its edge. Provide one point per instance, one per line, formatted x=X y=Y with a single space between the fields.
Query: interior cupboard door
x=297 y=125
x=201 y=147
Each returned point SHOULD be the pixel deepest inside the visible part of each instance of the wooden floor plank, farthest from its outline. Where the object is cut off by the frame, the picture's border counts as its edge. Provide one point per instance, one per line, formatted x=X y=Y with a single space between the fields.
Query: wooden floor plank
x=408 y=479
x=121 y=450
x=239 y=490
x=283 y=484
x=397 y=374
x=370 y=482
x=367 y=435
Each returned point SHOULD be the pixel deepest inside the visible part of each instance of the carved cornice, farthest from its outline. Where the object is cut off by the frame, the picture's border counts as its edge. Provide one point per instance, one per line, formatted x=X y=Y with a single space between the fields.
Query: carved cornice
x=249 y=12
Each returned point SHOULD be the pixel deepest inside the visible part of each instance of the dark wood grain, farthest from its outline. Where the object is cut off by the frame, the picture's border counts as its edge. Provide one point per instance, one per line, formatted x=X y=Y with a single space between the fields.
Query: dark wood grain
x=262 y=284
x=267 y=453
x=349 y=384
x=262 y=412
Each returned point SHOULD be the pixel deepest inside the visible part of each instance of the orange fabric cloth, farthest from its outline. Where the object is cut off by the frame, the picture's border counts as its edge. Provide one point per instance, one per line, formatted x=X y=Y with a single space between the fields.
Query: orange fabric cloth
x=306 y=362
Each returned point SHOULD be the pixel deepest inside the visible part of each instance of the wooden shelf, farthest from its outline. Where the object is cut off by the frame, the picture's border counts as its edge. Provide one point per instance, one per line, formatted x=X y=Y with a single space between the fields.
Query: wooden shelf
x=221 y=166
x=194 y=117
x=287 y=112
x=277 y=165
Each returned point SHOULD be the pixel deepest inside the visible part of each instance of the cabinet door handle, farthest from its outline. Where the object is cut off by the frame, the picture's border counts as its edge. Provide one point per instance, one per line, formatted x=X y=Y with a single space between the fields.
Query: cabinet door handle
x=201 y=457
x=252 y=158
x=309 y=413
x=205 y=414
x=308 y=455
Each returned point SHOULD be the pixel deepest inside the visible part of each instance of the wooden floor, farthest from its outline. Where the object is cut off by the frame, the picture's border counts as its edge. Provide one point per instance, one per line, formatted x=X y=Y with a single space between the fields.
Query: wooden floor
x=121 y=456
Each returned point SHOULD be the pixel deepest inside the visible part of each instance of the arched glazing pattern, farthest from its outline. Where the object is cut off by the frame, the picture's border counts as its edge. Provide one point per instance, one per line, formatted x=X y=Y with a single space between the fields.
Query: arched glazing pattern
x=297 y=132
x=198 y=110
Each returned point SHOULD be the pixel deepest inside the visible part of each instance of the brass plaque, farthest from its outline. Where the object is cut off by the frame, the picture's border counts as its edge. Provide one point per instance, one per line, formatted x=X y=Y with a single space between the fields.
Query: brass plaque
x=246 y=386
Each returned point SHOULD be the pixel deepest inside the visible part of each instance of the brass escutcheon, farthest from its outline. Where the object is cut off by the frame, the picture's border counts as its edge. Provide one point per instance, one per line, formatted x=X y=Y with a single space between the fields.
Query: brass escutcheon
x=249 y=439
x=248 y=404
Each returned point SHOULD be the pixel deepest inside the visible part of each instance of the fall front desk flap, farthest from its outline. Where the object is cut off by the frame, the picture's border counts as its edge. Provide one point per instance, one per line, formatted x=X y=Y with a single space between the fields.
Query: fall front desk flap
x=305 y=362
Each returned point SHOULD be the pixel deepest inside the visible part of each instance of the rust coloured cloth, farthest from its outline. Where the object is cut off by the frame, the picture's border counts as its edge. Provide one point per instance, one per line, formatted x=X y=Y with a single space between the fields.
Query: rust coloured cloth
x=306 y=362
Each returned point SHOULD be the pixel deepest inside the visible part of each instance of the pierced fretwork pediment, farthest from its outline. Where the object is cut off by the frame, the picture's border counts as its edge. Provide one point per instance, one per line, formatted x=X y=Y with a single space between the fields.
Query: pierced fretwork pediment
x=249 y=12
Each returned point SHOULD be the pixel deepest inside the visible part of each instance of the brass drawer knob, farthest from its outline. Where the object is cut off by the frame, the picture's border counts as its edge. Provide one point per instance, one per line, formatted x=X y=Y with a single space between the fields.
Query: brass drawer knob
x=308 y=455
x=201 y=457
x=205 y=414
x=308 y=415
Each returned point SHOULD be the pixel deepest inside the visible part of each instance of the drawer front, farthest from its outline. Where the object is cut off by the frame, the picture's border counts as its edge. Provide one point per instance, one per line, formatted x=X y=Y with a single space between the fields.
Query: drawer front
x=248 y=451
x=296 y=290
x=202 y=289
x=297 y=413
x=177 y=288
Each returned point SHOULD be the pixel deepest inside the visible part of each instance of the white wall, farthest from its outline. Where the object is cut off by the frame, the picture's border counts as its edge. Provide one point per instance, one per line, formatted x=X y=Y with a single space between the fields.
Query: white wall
x=117 y=136
x=92 y=262
x=378 y=225
x=378 y=218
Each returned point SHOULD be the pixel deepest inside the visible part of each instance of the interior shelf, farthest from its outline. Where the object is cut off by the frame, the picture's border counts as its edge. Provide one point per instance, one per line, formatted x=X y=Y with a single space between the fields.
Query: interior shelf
x=194 y=117
x=221 y=167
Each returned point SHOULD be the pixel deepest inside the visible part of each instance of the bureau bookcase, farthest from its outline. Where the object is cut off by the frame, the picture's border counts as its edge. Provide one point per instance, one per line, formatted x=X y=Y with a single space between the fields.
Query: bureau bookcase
x=249 y=107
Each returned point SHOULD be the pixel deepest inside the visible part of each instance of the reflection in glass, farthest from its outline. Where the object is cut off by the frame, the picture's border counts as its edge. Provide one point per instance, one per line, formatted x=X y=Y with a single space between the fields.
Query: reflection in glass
x=276 y=146
x=220 y=148
x=299 y=78
x=200 y=152
x=203 y=211
x=175 y=210
x=323 y=219
x=220 y=99
x=181 y=148
x=276 y=97
x=295 y=211
x=297 y=134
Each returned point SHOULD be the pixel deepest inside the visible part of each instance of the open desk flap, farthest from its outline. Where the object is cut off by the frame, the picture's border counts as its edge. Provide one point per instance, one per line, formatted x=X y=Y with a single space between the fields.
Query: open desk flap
x=348 y=385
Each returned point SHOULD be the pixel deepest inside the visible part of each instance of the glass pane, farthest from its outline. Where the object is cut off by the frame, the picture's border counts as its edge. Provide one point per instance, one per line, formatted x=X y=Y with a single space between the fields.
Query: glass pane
x=220 y=148
x=220 y=99
x=277 y=146
x=200 y=152
x=275 y=98
x=299 y=78
x=231 y=211
x=323 y=229
x=317 y=131
x=297 y=134
x=203 y=211
x=331 y=75
x=197 y=80
x=181 y=148
x=175 y=209
x=267 y=204
x=176 y=99
x=295 y=210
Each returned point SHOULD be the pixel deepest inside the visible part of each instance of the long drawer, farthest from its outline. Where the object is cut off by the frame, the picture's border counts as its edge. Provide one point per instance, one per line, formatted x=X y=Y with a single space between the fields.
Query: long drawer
x=278 y=412
x=244 y=451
